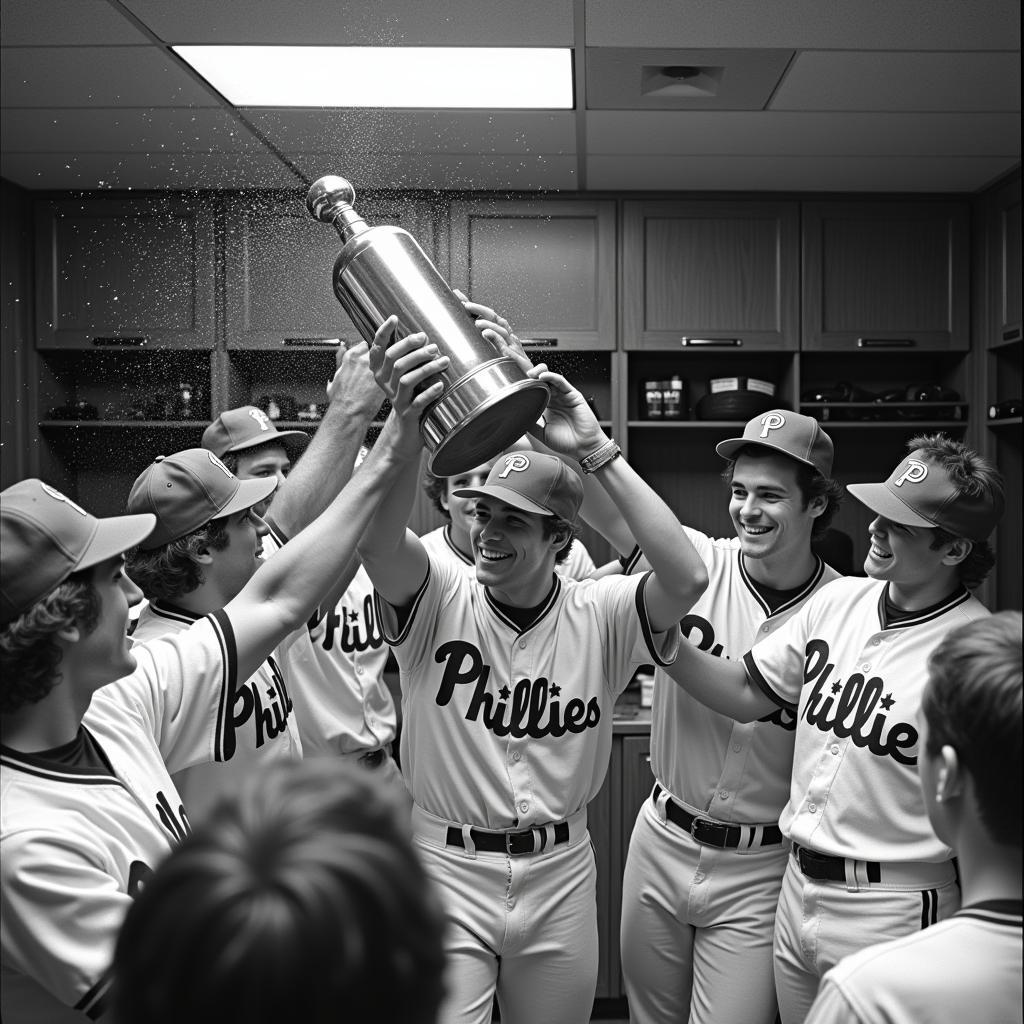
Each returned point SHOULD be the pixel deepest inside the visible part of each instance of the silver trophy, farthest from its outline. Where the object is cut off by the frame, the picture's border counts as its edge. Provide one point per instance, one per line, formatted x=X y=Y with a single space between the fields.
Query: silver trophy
x=488 y=402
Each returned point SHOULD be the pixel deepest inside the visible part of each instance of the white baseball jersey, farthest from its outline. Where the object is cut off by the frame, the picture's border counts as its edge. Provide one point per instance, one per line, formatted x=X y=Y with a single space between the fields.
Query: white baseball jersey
x=76 y=844
x=342 y=703
x=735 y=771
x=262 y=708
x=439 y=544
x=855 y=681
x=509 y=728
x=967 y=968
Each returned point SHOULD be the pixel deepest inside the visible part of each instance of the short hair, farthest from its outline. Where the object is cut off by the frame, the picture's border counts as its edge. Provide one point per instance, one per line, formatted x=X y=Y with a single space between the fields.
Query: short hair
x=436 y=489
x=29 y=653
x=556 y=524
x=972 y=702
x=302 y=898
x=812 y=484
x=976 y=477
x=173 y=569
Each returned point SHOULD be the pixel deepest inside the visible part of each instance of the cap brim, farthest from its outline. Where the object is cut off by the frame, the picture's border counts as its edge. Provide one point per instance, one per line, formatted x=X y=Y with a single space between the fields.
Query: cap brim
x=294 y=442
x=880 y=499
x=728 y=449
x=249 y=493
x=505 y=495
x=115 y=536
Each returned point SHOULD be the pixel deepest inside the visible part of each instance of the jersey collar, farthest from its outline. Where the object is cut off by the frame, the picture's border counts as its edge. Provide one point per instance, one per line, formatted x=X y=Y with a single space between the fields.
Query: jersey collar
x=801 y=595
x=456 y=551
x=542 y=611
x=926 y=614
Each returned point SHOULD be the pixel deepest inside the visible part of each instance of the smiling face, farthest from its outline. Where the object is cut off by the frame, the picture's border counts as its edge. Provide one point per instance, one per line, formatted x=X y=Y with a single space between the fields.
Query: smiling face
x=264 y=462
x=513 y=557
x=903 y=554
x=461 y=509
x=104 y=654
x=232 y=567
x=767 y=510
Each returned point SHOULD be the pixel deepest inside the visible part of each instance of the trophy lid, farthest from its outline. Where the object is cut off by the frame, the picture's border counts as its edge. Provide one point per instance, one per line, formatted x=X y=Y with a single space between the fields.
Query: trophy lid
x=330 y=199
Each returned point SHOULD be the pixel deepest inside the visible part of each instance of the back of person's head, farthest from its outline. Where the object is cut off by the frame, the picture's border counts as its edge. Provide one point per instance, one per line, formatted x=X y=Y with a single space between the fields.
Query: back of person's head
x=972 y=703
x=302 y=899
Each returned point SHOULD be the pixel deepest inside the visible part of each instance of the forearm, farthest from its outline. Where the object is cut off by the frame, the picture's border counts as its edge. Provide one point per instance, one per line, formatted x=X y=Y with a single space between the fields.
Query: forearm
x=324 y=469
x=718 y=683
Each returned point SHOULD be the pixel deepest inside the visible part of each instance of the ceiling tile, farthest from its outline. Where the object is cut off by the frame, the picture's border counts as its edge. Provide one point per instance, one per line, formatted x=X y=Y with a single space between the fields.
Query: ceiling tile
x=901 y=81
x=804 y=24
x=358 y=23
x=97 y=76
x=67 y=23
x=800 y=174
x=125 y=130
x=425 y=131
x=741 y=133
x=142 y=171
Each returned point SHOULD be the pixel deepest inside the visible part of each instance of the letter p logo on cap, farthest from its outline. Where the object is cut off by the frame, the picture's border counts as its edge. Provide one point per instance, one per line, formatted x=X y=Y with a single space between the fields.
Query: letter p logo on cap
x=914 y=473
x=515 y=463
x=772 y=421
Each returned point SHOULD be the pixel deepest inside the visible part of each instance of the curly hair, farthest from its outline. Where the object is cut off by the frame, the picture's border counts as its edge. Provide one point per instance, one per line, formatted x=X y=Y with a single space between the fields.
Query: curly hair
x=301 y=898
x=555 y=524
x=29 y=654
x=812 y=484
x=173 y=569
x=436 y=489
x=973 y=703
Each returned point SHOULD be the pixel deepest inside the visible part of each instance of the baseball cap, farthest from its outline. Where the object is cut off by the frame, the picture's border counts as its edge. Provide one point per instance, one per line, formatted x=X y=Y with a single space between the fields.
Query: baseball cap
x=185 y=490
x=245 y=427
x=920 y=492
x=45 y=537
x=533 y=482
x=798 y=436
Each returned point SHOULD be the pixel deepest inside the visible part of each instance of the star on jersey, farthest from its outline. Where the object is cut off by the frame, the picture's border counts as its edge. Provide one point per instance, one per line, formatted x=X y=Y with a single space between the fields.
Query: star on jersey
x=504 y=693
x=836 y=687
x=555 y=690
x=887 y=701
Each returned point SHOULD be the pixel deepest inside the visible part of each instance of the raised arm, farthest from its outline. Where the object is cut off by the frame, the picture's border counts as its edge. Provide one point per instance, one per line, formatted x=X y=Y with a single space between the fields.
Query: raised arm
x=722 y=685
x=285 y=590
x=326 y=466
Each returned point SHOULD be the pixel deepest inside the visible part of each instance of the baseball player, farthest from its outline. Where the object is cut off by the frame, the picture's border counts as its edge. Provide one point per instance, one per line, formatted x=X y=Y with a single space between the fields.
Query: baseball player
x=508 y=684
x=969 y=762
x=90 y=727
x=346 y=709
x=706 y=857
x=866 y=865
x=309 y=879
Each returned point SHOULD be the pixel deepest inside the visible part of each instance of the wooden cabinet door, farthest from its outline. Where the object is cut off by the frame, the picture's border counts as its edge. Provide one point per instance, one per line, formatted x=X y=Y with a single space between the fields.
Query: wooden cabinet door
x=604 y=837
x=1005 y=265
x=548 y=267
x=712 y=274
x=279 y=268
x=125 y=273
x=886 y=275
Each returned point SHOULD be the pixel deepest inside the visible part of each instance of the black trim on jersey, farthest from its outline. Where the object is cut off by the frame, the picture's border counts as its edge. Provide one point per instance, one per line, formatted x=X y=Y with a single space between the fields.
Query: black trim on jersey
x=929 y=907
x=94 y=1003
x=455 y=549
x=543 y=610
x=645 y=623
x=226 y=635
x=1009 y=913
x=813 y=580
x=30 y=764
x=403 y=631
x=926 y=615
x=629 y=562
x=167 y=610
x=279 y=538
x=754 y=675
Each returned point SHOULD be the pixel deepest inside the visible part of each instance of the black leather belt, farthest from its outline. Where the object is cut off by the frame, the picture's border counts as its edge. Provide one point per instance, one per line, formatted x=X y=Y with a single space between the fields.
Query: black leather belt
x=714 y=833
x=515 y=844
x=823 y=867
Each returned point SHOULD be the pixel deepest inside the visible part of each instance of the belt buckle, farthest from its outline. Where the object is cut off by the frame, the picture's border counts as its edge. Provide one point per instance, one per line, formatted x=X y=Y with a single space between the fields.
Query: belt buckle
x=709 y=840
x=510 y=837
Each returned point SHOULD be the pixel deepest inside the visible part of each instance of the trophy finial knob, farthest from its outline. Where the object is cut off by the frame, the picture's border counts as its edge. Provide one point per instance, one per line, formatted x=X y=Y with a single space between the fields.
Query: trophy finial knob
x=328 y=196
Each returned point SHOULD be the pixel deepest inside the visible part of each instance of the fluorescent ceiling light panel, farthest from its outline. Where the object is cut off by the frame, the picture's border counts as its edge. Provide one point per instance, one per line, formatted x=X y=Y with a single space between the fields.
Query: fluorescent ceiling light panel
x=387 y=76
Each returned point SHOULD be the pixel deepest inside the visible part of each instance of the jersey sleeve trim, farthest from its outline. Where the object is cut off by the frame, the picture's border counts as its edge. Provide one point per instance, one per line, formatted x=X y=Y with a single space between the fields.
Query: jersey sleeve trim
x=403 y=632
x=645 y=623
x=280 y=539
x=94 y=1003
x=754 y=675
x=629 y=562
x=222 y=627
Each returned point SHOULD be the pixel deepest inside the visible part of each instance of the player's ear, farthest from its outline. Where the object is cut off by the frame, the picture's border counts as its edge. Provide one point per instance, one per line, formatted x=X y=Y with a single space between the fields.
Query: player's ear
x=817 y=505
x=70 y=634
x=949 y=784
x=957 y=550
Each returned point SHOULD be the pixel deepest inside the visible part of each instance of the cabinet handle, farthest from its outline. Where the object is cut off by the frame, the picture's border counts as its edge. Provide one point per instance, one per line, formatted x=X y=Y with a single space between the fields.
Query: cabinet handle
x=647 y=759
x=1012 y=335
x=886 y=342
x=322 y=342
x=712 y=342
x=134 y=342
x=539 y=342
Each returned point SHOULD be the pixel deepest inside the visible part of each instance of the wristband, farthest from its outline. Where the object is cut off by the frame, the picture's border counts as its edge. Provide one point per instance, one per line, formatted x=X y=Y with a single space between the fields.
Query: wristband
x=599 y=459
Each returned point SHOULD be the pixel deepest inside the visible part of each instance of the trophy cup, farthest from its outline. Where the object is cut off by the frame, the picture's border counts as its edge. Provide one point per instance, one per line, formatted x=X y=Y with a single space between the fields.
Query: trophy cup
x=488 y=402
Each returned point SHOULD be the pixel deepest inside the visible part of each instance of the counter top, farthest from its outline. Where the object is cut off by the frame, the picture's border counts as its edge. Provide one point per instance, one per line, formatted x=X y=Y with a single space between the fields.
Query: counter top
x=630 y=717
